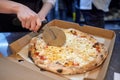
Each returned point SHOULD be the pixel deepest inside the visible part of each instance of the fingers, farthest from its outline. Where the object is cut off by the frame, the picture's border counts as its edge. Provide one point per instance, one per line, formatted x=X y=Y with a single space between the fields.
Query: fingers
x=32 y=23
x=23 y=23
x=35 y=24
x=38 y=21
x=29 y=19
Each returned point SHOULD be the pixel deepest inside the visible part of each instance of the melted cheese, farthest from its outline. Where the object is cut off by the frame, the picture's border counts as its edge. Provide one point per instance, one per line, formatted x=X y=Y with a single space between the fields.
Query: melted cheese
x=77 y=49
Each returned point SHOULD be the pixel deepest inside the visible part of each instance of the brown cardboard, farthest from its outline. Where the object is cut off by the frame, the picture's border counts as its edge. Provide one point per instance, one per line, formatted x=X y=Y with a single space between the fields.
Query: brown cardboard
x=1 y=55
x=97 y=74
x=13 y=71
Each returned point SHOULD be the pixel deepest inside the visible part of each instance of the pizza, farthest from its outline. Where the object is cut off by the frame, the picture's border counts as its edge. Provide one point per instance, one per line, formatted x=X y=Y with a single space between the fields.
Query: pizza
x=80 y=53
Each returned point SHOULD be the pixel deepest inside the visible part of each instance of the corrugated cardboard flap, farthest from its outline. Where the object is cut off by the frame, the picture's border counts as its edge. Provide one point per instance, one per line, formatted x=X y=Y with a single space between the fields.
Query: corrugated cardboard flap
x=20 y=43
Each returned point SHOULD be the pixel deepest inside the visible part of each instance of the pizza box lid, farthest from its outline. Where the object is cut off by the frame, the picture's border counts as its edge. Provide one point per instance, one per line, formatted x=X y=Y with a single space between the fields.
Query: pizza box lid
x=11 y=70
x=108 y=36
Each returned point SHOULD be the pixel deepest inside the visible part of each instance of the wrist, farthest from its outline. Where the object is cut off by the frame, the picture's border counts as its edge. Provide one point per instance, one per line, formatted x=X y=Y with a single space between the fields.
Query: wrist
x=41 y=16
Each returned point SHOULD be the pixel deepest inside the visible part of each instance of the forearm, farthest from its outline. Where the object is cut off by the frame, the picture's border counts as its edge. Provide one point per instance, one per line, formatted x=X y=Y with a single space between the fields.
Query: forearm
x=9 y=7
x=45 y=10
x=29 y=19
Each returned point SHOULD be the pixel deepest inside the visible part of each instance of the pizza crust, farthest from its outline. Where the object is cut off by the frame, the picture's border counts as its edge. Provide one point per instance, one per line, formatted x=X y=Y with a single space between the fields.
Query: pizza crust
x=60 y=69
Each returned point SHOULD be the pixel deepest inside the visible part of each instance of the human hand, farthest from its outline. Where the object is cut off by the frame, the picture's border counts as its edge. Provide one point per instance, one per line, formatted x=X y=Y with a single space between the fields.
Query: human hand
x=29 y=19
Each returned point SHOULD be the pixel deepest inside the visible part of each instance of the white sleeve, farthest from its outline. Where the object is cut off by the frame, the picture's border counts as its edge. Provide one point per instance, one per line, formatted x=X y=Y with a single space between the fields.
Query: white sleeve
x=50 y=1
x=102 y=4
x=86 y=4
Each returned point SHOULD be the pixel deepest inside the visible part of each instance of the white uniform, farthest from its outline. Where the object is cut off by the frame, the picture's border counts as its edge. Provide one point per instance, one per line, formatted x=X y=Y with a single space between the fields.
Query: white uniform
x=99 y=4
x=50 y=1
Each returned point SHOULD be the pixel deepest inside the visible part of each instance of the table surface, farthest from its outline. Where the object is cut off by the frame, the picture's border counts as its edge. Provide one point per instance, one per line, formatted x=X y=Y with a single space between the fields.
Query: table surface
x=114 y=65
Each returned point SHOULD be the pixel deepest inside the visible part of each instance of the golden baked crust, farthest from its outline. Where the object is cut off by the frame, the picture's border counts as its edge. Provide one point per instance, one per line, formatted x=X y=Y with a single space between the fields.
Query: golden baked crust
x=53 y=58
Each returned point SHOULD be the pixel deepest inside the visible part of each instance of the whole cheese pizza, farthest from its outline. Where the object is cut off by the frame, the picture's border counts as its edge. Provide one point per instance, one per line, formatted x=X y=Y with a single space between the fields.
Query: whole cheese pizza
x=80 y=53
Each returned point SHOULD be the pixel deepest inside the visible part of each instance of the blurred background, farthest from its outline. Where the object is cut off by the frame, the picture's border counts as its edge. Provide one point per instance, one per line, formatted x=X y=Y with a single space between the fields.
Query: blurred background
x=65 y=10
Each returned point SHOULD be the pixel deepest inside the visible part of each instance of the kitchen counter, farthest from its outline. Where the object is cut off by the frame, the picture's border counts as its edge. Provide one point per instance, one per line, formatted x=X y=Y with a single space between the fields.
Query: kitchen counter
x=114 y=65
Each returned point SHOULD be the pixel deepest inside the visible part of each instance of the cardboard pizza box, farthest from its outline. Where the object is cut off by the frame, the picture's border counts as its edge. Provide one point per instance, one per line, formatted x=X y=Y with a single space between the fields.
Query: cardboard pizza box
x=105 y=36
x=10 y=70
